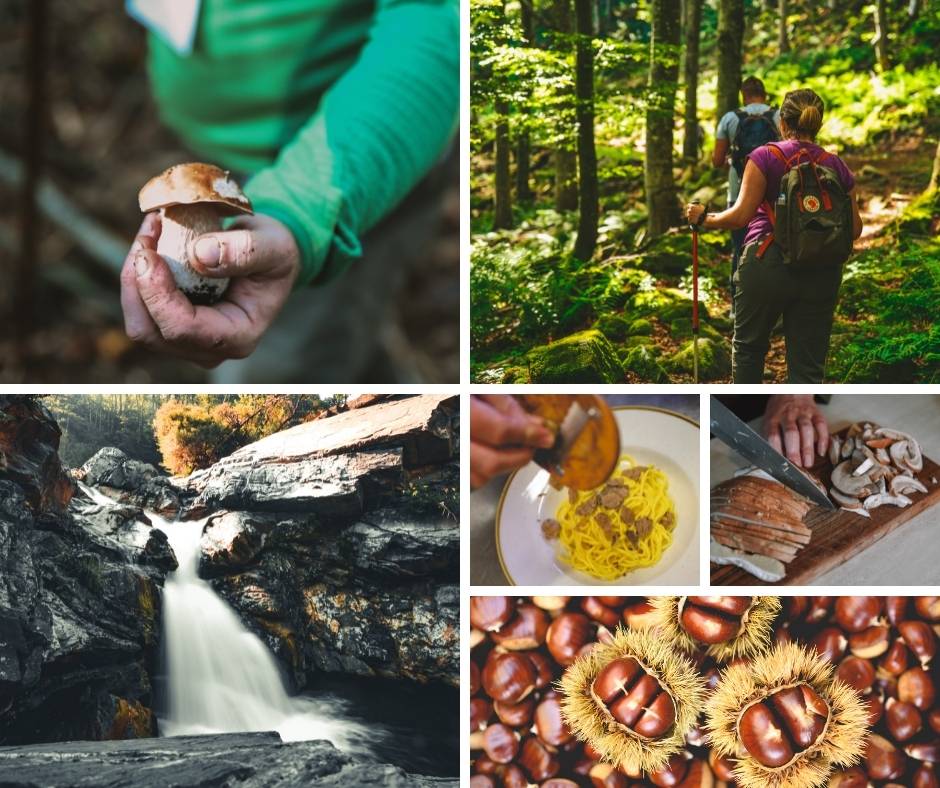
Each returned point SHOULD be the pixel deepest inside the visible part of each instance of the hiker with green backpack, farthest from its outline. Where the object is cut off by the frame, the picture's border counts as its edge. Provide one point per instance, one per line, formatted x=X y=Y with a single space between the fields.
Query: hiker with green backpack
x=740 y=131
x=798 y=204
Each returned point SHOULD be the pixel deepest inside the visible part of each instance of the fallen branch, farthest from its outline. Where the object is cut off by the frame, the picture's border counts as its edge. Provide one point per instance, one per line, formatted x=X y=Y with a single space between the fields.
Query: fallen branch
x=101 y=244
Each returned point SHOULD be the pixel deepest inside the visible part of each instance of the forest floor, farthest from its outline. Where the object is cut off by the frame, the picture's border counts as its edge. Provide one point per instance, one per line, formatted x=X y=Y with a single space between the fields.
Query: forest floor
x=882 y=327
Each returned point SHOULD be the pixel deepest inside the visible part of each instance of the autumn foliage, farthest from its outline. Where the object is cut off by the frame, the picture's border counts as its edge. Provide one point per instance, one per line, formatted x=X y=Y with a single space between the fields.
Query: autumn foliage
x=195 y=432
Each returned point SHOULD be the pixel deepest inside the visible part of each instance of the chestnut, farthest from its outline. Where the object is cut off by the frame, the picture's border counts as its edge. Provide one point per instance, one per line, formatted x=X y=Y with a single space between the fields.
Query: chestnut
x=722 y=766
x=902 y=719
x=474 y=678
x=830 y=644
x=514 y=777
x=713 y=619
x=855 y=613
x=915 y=686
x=600 y=612
x=876 y=707
x=883 y=760
x=849 y=778
x=480 y=712
x=538 y=761
x=857 y=673
x=928 y=607
x=924 y=750
x=603 y=775
x=894 y=662
x=516 y=715
x=566 y=635
x=870 y=643
x=639 y=615
x=782 y=725
x=925 y=777
x=896 y=609
x=500 y=743
x=553 y=604
x=673 y=772
x=526 y=631
x=549 y=724
x=482 y=781
x=489 y=613
x=933 y=718
x=920 y=639
x=508 y=677
x=613 y=601
x=634 y=698
x=544 y=669
x=559 y=782
x=819 y=607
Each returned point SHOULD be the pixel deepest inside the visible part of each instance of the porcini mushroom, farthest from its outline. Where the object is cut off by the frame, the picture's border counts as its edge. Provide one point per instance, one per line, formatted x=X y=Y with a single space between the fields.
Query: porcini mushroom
x=906 y=484
x=845 y=481
x=192 y=200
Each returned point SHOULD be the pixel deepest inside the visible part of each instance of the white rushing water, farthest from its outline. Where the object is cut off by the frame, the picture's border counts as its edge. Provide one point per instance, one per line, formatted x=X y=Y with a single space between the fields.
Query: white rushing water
x=222 y=678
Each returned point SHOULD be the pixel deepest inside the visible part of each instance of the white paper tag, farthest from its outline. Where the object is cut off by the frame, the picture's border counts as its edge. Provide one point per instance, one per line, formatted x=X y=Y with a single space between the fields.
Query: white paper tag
x=173 y=20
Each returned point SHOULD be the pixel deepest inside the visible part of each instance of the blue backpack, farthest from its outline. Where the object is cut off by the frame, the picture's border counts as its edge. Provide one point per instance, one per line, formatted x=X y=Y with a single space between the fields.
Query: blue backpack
x=753 y=132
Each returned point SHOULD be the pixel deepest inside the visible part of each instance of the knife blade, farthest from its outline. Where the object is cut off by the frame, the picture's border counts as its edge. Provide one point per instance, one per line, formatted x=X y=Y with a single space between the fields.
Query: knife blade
x=730 y=430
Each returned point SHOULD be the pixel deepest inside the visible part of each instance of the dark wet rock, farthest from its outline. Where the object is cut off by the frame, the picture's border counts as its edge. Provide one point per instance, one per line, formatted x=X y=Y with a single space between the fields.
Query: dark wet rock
x=369 y=589
x=29 y=453
x=79 y=614
x=130 y=481
x=331 y=466
x=249 y=760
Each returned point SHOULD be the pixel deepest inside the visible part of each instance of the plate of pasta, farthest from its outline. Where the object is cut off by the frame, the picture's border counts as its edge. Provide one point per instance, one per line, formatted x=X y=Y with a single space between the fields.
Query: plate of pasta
x=639 y=528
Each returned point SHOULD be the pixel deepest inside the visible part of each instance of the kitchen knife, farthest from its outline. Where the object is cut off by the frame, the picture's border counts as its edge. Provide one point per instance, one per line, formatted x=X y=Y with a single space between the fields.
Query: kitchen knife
x=729 y=429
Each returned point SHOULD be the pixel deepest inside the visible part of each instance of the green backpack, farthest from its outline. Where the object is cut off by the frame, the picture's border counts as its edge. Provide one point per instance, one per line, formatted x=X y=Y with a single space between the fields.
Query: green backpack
x=812 y=217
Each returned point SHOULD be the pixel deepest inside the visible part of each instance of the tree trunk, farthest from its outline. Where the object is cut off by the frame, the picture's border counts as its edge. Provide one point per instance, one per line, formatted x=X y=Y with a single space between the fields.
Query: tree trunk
x=502 y=201
x=523 y=192
x=587 y=155
x=664 y=71
x=935 y=175
x=502 y=197
x=730 y=35
x=881 y=35
x=564 y=157
x=783 y=42
x=692 y=18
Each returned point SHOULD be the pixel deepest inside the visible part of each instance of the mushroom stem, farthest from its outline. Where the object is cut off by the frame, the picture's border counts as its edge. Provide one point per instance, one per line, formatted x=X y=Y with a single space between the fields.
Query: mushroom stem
x=181 y=225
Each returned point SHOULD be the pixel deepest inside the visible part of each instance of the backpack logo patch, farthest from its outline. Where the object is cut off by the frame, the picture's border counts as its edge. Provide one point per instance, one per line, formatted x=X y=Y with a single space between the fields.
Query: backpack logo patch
x=811 y=203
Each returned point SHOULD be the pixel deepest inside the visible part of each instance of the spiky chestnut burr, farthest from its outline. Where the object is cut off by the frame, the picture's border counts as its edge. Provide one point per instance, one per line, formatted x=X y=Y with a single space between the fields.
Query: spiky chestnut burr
x=725 y=627
x=785 y=719
x=633 y=700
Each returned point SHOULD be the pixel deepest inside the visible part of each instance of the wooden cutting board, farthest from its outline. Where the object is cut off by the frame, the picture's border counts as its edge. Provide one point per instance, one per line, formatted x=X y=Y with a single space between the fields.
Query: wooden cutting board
x=839 y=535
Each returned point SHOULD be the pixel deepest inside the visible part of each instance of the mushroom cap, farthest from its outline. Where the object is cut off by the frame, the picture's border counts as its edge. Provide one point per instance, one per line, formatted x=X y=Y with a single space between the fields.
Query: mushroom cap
x=184 y=184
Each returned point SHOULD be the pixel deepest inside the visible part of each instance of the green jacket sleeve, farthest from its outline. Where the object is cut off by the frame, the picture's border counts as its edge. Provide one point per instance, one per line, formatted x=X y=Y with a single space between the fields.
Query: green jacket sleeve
x=378 y=130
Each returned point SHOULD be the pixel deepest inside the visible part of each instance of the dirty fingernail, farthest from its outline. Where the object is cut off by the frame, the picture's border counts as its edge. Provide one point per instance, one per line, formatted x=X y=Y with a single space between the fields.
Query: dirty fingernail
x=141 y=264
x=208 y=251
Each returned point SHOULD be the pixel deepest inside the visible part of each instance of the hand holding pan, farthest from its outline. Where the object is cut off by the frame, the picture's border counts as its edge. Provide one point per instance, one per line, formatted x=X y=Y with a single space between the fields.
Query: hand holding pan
x=587 y=444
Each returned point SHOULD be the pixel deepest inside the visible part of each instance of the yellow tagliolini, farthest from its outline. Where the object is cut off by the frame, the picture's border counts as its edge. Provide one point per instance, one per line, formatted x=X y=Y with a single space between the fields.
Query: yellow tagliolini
x=603 y=548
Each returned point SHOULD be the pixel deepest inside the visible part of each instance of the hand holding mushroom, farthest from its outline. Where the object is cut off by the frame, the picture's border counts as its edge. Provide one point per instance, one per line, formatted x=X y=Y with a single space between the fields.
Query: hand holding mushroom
x=182 y=261
x=795 y=427
x=503 y=436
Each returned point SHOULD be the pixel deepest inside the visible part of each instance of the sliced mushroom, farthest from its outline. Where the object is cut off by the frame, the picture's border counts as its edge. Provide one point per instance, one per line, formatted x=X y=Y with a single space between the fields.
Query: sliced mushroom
x=847 y=448
x=906 y=484
x=906 y=454
x=882 y=455
x=864 y=467
x=846 y=501
x=835 y=446
x=846 y=482
x=880 y=499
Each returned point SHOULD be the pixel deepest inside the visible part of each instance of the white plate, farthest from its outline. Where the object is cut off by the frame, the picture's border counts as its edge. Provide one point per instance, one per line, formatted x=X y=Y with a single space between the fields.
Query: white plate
x=652 y=437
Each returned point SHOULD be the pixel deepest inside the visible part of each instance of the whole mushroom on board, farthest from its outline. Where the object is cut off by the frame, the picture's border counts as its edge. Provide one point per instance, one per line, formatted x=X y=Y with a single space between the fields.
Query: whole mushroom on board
x=192 y=200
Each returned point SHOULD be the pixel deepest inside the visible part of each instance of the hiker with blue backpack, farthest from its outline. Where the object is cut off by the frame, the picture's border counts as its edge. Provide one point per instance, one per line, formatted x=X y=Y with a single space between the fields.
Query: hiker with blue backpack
x=739 y=132
x=797 y=203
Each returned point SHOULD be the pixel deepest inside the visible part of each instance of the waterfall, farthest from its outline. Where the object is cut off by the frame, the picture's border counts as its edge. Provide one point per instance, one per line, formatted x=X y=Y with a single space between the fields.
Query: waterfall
x=222 y=678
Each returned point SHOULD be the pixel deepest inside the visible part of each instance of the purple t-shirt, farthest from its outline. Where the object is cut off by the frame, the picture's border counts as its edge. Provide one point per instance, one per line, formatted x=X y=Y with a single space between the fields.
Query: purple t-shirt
x=769 y=164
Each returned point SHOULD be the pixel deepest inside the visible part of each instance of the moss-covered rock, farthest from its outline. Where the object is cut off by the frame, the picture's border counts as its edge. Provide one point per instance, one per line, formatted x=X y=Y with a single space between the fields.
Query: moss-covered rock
x=714 y=360
x=643 y=361
x=640 y=327
x=682 y=328
x=615 y=327
x=585 y=357
x=921 y=216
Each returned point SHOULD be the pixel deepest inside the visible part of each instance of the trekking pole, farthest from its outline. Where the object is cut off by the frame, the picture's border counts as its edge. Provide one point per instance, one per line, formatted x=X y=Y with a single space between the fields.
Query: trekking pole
x=694 y=229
